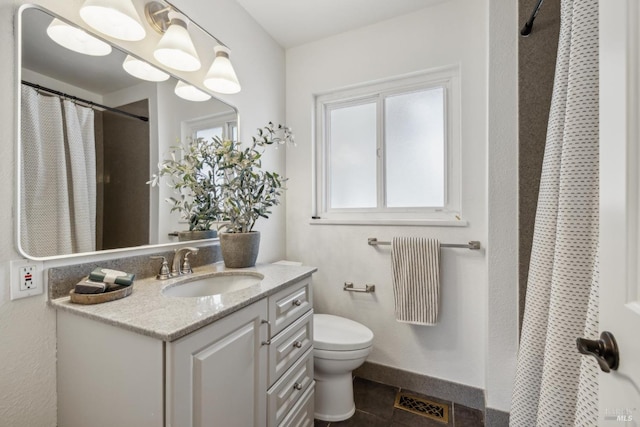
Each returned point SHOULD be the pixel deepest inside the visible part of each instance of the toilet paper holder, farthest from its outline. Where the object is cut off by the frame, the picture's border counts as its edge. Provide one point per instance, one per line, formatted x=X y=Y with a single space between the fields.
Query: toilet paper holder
x=348 y=286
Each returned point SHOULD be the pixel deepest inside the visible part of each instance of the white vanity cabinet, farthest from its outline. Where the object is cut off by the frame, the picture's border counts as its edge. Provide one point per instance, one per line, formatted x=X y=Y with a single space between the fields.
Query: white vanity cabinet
x=253 y=367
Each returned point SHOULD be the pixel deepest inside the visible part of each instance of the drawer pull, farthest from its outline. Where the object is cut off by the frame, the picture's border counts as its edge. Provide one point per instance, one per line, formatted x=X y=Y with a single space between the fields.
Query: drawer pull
x=268 y=341
x=297 y=344
x=296 y=302
x=297 y=386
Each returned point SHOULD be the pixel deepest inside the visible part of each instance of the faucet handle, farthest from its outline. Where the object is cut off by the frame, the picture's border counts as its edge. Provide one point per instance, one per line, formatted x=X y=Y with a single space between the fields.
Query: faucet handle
x=187 y=249
x=164 y=269
x=186 y=265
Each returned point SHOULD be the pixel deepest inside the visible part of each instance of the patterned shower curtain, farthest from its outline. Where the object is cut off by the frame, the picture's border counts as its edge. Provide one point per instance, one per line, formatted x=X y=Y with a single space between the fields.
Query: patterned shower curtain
x=81 y=146
x=43 y=177
x=554 y=386
x=58 y=176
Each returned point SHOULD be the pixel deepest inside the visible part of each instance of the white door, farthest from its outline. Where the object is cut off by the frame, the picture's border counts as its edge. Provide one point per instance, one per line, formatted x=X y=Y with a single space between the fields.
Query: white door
x=619 y=207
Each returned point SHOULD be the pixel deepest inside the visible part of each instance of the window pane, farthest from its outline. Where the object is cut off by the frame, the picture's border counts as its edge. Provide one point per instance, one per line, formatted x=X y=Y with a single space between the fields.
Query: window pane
x=352 y=151
x=208 y=134
x=233 y=131
x=414 y=148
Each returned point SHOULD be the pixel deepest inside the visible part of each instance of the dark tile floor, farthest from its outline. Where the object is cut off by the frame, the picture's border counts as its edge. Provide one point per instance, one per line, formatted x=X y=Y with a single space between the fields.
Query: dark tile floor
x=374 y=408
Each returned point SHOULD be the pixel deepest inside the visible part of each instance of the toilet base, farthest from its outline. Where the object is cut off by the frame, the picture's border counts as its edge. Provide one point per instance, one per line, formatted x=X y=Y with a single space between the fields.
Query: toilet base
x=334 y=397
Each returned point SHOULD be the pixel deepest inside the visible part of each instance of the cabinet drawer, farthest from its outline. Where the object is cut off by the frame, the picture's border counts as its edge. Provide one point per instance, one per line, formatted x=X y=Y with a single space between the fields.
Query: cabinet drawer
x=302 y=414
x=289 y=304
x=286 y=392
x=289 y=345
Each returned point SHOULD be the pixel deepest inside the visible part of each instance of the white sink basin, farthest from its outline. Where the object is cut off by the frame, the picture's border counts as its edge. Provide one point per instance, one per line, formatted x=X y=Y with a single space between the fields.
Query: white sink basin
x=218 y=283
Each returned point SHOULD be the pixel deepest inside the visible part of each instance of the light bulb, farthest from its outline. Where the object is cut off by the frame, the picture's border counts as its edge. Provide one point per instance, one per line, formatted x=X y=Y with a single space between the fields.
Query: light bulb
x=115 y=18
x=190 y=93
x=221 y=77
x=76 y=39
x=143 y=70
x=175 y=49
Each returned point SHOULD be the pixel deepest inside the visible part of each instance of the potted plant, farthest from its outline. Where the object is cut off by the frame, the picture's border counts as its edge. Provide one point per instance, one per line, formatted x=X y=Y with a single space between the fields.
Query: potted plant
x=191 y=171
x=227 y=180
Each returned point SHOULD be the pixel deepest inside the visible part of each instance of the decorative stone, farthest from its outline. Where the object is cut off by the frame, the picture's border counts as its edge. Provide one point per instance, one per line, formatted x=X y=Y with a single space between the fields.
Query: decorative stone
x=240 y=250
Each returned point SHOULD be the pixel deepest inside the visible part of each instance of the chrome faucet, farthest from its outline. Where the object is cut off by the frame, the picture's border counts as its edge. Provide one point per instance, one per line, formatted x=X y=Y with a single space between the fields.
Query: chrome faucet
x=176 y=268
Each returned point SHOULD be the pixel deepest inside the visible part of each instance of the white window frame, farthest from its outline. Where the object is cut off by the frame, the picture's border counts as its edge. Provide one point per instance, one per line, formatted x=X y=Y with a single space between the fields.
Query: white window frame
x=227 y=121
x=447 y=78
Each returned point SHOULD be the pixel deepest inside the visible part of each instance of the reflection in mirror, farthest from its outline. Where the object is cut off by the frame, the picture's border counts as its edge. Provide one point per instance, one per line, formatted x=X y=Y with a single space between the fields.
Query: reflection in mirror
x=90 y=135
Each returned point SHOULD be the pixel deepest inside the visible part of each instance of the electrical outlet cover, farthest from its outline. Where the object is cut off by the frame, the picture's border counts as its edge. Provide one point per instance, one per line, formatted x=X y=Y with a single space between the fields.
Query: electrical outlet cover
x=26 y=278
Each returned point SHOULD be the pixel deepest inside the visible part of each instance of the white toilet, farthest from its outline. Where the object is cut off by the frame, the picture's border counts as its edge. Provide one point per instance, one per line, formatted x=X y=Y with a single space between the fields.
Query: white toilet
x=340 y=346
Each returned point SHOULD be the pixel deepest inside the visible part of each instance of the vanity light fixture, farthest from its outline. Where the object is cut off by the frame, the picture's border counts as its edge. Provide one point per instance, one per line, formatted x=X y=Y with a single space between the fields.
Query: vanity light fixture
x=76 y=39
x=221 y=77
x=166 y=19
x=143 y=70
x=175 y=49
x=115 y=18
x=190 y=93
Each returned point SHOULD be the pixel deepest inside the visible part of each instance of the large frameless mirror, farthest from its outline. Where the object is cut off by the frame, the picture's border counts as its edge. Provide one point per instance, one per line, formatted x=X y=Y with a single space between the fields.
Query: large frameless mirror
x=90 y=138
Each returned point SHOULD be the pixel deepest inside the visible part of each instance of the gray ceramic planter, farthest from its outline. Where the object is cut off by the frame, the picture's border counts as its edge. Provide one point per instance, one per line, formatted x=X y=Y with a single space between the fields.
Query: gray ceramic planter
x=240 y=250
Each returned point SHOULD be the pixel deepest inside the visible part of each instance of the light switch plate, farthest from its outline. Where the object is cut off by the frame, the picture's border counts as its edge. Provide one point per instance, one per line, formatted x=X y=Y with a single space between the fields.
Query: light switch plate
x=26 y=278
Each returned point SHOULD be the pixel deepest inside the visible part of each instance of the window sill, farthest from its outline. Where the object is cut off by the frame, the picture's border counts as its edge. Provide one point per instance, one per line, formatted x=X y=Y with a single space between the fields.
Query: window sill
x=392 y=222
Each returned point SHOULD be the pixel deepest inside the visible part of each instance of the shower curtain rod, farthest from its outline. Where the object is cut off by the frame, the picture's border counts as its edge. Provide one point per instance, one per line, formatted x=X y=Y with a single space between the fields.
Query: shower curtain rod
x=84 y=101
x=526 y=30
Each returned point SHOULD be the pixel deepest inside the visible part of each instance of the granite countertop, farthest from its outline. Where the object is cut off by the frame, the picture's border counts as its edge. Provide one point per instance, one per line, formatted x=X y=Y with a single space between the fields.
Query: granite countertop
x=147 y=311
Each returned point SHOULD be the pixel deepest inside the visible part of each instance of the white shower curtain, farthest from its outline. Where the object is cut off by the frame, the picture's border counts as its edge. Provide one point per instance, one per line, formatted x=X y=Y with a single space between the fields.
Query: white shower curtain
x=552 y=386
x=57 y=176
x=82 y=165
x=45 y=226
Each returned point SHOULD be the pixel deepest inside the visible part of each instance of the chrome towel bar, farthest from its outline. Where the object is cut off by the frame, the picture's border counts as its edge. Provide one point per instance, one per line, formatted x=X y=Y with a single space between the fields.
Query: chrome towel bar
x=473 y=244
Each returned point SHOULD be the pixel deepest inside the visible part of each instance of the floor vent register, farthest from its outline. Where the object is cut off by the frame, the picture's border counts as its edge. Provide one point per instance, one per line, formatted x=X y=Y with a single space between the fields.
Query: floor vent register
x=423 y=407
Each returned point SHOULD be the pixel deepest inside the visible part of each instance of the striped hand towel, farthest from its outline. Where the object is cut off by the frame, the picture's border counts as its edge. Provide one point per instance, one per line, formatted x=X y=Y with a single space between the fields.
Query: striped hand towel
x=415 y=267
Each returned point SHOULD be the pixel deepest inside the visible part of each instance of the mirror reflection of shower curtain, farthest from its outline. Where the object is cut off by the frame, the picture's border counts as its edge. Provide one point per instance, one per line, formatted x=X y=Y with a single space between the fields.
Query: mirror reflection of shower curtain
x=81 y=156
x=57 y=176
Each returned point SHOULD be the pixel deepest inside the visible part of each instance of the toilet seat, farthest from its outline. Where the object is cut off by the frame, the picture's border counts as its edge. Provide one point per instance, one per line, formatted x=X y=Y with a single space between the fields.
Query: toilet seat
x=339 y=334
x=341 y=355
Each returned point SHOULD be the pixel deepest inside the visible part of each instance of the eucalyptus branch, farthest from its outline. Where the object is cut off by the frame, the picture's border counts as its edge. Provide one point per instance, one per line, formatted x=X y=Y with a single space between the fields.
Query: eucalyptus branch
x=222 y=181
x=270 y=134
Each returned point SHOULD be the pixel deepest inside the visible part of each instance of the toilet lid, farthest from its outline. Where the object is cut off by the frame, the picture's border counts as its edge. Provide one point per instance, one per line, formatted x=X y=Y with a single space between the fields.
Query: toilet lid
x=337 y=333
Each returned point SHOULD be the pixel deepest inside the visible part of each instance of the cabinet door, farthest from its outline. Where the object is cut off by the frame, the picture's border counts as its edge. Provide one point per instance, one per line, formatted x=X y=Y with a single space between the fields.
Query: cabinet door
x=107 y=376
x=216 y=376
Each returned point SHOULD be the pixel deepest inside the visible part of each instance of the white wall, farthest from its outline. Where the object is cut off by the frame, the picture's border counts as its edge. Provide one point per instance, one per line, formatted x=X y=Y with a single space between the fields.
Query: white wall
x=452 y=32
x=502 y=212
x=27 y=327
